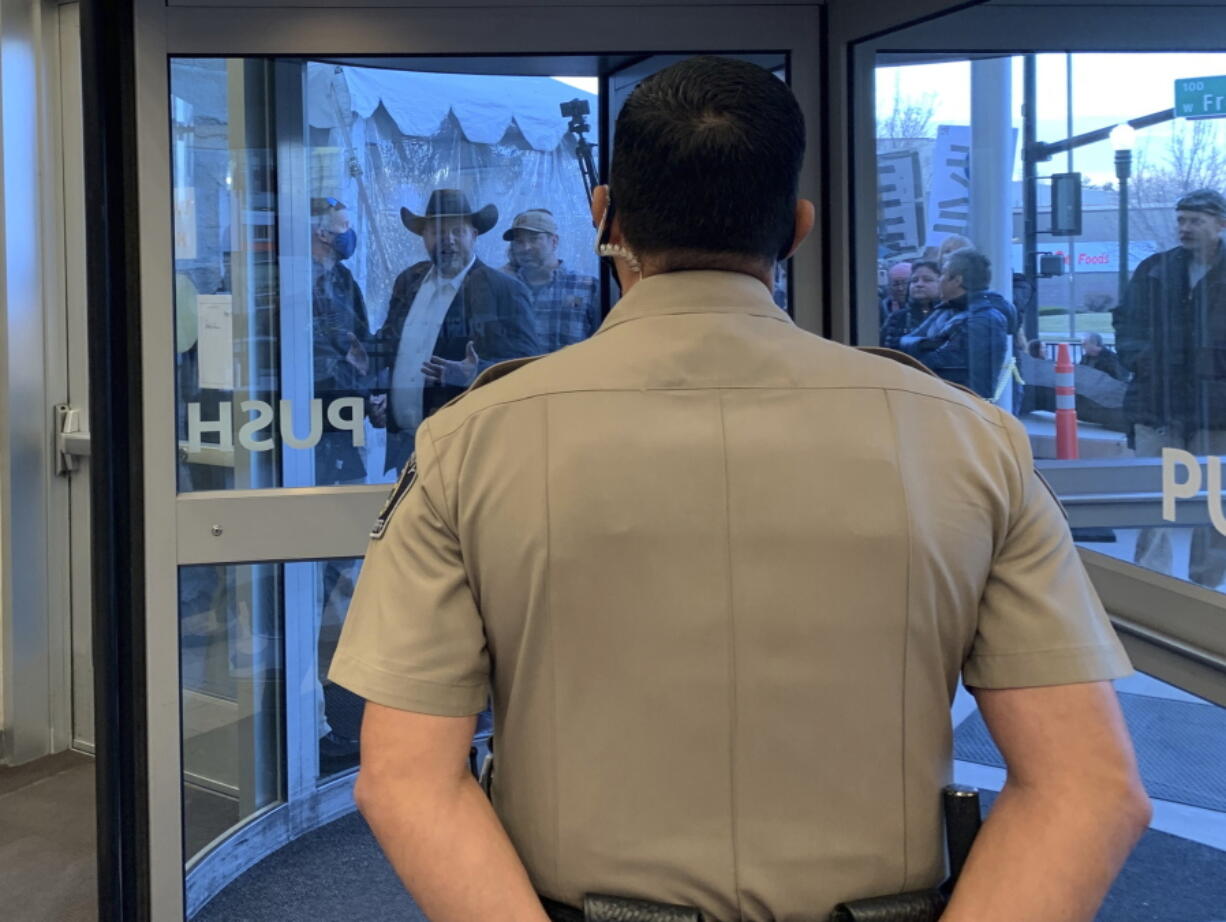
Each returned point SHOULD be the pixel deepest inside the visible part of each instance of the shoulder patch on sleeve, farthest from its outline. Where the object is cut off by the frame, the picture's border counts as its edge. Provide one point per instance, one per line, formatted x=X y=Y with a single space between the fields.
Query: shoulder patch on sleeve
x=1051 y=493
x=493 y=373
x=900 y=357
x=912 y=362
x=404 y=483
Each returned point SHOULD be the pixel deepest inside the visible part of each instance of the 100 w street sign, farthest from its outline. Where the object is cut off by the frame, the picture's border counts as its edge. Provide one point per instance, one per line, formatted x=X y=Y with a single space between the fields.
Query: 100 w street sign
x=1200 y=97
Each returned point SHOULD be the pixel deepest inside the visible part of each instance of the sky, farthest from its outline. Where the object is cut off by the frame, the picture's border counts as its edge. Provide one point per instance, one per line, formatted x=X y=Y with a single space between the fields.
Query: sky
x=588 y=84
x=1107 y=89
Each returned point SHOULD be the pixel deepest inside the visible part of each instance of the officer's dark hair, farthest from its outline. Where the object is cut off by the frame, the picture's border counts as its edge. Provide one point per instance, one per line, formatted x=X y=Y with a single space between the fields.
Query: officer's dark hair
x=929 y=264
x=973 y=266
x=706 y=161
x=1206 y=201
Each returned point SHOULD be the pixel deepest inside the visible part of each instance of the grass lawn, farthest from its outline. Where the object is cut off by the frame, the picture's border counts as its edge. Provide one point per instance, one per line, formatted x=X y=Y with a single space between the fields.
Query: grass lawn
x=1052 y=326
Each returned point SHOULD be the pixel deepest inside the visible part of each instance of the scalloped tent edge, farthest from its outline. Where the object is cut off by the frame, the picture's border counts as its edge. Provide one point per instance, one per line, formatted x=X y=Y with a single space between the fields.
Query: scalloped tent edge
x=484 y=106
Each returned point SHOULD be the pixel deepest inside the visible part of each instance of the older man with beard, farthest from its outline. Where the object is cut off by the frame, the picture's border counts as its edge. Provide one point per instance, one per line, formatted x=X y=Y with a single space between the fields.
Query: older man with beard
x=449 y=318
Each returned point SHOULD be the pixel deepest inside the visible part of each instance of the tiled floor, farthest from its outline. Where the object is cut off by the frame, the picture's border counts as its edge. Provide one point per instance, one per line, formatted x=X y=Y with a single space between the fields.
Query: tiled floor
x=47 y=841
x=1207 y=827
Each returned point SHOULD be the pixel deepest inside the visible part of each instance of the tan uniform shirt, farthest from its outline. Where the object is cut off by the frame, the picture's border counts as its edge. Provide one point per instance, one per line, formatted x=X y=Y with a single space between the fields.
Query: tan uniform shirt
x=722 y=575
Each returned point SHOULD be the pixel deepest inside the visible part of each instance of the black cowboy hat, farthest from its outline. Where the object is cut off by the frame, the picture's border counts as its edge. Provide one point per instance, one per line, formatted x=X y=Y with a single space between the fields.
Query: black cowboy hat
x=450 y=203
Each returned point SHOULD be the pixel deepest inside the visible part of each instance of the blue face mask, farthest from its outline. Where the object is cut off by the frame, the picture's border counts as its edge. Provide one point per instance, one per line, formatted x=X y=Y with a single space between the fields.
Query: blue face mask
x=344 y=244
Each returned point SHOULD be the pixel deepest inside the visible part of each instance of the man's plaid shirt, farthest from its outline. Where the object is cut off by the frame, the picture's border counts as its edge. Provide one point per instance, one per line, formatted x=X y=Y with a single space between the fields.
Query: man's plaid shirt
x=567 y=307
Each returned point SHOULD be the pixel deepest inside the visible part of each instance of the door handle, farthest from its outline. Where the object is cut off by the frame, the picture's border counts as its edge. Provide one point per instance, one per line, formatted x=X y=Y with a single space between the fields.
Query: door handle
x=71 y=441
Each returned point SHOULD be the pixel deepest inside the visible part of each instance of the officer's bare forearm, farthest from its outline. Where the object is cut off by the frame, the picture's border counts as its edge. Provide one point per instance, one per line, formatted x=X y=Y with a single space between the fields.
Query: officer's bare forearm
x=446 y=843
x=1048 y=855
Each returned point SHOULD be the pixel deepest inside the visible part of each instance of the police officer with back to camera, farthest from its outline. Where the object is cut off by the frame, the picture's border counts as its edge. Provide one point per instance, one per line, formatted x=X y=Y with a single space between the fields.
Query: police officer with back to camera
x=722 y=576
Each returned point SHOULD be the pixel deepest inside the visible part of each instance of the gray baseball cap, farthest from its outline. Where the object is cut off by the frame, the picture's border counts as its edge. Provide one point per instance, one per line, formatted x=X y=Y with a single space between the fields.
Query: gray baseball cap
x=1206 y=201
x=534 y=219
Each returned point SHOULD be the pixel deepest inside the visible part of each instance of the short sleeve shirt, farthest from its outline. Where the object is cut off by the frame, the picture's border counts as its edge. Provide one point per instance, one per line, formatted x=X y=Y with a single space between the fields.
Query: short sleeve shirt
x=721 y=576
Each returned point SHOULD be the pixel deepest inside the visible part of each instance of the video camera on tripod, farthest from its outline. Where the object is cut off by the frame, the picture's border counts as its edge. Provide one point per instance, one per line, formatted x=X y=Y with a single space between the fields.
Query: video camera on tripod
x=576 y=110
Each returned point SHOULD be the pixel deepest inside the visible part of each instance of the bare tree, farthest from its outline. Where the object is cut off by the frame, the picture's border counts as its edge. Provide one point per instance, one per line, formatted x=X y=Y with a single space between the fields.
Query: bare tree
x=1194 y=158
x=910 y=120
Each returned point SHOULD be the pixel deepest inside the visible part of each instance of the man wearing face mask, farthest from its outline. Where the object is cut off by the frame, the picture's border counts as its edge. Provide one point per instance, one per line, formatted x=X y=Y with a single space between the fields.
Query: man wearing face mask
x=449 y=318
x=341 y=335
x=566 y=303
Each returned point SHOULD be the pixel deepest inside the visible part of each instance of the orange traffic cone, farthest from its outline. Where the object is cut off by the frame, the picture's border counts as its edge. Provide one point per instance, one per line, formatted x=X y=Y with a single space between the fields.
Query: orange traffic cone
x=1066 y=406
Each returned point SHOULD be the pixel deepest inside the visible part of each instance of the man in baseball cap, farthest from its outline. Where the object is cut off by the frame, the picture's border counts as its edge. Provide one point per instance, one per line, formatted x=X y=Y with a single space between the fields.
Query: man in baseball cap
x=1170 y=332
x=566 y=303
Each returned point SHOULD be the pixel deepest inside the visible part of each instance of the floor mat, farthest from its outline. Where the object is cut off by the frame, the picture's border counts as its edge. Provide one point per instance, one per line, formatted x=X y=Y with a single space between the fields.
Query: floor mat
x=337 y=874
x=1181 y=748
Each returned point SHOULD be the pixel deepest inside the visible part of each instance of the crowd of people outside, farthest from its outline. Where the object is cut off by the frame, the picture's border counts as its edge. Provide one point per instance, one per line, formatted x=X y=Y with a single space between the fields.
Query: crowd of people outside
x=942 y=310
x=1161 y=381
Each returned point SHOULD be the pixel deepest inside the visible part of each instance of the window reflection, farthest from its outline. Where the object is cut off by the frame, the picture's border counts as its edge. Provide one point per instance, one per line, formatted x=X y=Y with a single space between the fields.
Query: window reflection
x=230 y=659
x=434 y=225
x=1114 y=310
x=338 y=712
x=1090 y=285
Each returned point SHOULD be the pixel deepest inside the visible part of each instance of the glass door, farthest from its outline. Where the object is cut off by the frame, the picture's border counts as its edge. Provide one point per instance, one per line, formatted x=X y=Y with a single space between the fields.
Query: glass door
x=1057 y=191
x=310 y=189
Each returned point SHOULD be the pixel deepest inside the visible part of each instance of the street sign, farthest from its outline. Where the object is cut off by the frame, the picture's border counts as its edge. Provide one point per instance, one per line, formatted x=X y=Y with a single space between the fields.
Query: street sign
x=1200 y=97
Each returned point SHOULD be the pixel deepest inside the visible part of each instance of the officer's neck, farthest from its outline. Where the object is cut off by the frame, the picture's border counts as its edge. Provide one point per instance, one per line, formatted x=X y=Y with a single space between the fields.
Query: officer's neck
x=752 y=268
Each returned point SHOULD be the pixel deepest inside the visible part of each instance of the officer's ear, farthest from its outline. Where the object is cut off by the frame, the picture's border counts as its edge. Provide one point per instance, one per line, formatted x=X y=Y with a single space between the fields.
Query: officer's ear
x=803 y=225
x=600 y=202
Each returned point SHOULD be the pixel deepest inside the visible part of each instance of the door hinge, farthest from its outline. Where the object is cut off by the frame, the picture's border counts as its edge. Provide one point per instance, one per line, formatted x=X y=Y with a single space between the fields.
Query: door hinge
x=71 y=442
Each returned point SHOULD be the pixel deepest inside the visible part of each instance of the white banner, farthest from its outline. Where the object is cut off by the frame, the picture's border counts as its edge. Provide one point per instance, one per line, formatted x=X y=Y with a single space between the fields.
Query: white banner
x=949 y=199
x=900 y=209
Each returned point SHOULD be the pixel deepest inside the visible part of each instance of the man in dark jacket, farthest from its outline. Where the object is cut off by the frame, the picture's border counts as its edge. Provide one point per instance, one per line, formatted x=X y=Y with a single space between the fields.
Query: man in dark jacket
x=968 y=339
x=341 y=335
x=449 y=318
x=1098 y=355
x=1170 y=331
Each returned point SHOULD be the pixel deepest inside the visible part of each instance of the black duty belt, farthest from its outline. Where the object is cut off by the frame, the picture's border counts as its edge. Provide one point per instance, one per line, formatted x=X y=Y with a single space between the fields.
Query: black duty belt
x=598 y=908
x=961 y=825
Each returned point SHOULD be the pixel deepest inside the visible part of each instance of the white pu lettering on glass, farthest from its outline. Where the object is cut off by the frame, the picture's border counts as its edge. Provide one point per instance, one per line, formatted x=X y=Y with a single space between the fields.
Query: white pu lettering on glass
x=354 y=421
x=258 y=432
x=263 y=418
x=1214 y=499
x=1174 y=489
x=287 y=424
x=223 y=426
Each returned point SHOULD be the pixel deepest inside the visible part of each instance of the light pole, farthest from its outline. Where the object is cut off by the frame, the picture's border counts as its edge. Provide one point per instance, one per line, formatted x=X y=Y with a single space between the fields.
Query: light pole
x=1123 y=137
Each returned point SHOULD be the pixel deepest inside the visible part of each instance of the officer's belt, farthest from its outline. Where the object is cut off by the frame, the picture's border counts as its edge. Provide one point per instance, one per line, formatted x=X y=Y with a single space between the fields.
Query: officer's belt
x=962 y=820
x=919 y=906
x=599 y=908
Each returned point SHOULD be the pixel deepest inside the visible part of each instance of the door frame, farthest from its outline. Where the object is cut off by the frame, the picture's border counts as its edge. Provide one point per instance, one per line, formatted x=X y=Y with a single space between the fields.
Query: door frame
x=274 y=524
x=37 y=266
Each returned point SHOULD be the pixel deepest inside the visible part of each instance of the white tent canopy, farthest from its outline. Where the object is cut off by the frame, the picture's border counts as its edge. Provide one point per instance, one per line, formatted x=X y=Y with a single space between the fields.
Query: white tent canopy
x=484 y=106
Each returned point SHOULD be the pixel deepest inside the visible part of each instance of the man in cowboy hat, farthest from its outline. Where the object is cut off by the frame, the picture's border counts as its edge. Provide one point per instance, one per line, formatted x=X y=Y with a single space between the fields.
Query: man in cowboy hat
x=449 y=318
